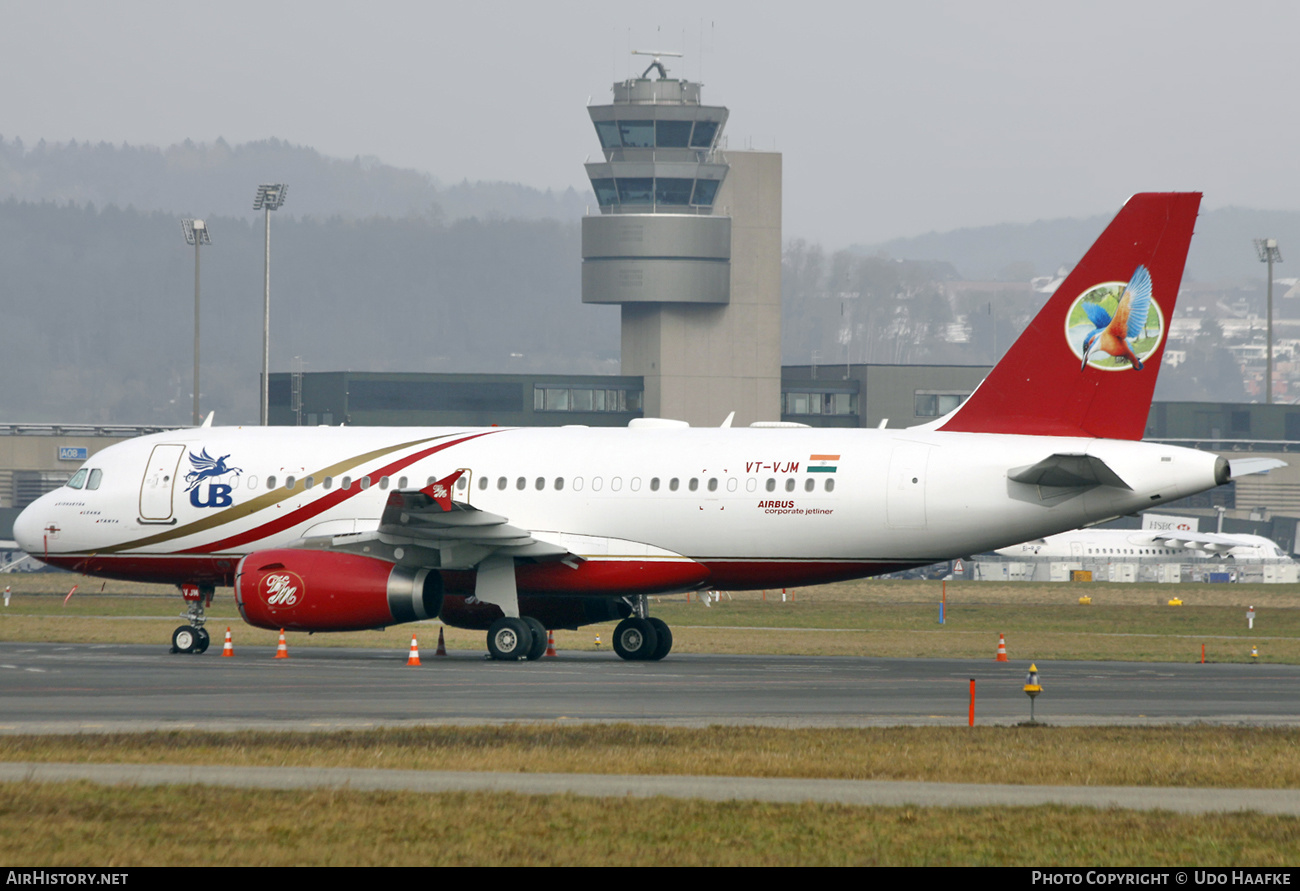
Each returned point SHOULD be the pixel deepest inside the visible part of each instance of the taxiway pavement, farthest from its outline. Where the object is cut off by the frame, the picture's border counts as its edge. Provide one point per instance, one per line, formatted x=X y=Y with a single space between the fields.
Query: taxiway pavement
x=67 y=688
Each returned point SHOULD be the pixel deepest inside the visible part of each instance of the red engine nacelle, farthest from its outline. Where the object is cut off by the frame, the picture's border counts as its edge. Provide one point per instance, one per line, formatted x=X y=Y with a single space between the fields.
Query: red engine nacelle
x=301 y=590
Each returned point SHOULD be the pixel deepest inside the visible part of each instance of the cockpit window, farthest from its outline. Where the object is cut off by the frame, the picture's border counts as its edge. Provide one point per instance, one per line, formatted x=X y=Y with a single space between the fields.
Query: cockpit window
x=95 y=476
x=78 y=479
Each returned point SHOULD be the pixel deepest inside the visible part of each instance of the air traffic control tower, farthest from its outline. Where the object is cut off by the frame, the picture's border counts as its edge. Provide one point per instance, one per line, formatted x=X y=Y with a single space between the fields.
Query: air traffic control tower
x=688 y=243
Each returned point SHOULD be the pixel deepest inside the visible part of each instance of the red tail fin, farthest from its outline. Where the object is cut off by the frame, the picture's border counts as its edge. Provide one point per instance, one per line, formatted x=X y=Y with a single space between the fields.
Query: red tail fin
x=1087 y=364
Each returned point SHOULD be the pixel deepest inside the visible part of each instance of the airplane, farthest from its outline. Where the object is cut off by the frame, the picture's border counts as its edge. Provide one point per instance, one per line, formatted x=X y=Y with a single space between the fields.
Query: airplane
x=1148 y=545
x=515 y=530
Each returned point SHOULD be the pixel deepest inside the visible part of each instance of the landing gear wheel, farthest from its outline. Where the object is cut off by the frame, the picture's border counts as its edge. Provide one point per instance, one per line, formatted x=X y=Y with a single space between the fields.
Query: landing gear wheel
x=635 y=639
x=202 y=639
x=665 y=635
x=538 y=649
x=184 y=638
x=509 y=639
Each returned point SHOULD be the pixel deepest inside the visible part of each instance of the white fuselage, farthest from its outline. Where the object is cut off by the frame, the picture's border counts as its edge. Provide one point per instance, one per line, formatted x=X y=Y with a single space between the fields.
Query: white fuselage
x=756 y=498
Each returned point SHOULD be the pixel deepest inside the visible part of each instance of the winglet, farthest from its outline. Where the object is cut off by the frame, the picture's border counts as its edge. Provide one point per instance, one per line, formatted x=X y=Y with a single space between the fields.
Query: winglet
x=1040 y=388
x=440 y=490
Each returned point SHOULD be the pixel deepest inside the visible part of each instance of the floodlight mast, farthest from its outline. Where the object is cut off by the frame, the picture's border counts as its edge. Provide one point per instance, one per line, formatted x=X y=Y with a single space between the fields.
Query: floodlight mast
x=196 y=233
x=270 y=196
x=1269 y=253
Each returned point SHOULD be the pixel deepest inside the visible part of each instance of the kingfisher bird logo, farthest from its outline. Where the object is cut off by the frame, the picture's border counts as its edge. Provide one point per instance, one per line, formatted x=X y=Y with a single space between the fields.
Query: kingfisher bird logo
x=1114 y=326
x=210 y=469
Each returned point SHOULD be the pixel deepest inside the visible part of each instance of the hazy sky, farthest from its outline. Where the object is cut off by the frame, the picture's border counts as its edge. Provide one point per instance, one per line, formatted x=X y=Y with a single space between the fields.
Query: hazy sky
x=894 y=119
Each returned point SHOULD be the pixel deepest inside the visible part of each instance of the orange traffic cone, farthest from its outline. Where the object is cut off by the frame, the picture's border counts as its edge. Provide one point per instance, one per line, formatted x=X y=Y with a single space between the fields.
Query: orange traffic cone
x=414 y=658
x=550 y=643
x=282 y=649
x=442 y=645
x=229 y=648
x=1002 y=649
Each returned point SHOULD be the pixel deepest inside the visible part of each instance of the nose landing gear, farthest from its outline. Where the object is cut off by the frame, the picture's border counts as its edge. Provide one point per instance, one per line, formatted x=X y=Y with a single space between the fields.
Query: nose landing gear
x=193 y=638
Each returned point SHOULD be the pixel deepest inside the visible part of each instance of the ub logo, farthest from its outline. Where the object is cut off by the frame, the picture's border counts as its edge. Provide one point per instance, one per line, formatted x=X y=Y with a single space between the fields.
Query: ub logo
x=207 y=468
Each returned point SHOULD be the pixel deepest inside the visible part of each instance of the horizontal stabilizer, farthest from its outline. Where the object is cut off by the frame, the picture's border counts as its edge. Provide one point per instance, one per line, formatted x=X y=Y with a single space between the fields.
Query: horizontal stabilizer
x=1068 y=471
x=1240 y=467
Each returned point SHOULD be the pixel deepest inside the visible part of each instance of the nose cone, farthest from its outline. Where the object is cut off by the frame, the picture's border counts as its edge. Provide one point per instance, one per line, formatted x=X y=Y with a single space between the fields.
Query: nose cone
x=27 y=527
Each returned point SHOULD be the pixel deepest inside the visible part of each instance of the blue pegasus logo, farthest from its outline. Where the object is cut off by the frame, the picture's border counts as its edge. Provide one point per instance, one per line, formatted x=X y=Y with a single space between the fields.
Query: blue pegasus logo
x=206 y=467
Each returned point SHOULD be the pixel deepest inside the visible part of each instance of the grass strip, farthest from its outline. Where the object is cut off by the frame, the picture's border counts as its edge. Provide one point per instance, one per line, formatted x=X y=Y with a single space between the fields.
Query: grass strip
x=70 y=824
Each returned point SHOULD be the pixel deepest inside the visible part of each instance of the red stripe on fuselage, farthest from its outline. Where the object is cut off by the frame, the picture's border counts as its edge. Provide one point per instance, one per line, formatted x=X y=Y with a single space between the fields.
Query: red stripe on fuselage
x=306 y=512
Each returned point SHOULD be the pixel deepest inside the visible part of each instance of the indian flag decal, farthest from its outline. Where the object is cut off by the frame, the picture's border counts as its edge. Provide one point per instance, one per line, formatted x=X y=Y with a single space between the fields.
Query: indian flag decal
x=822 y=463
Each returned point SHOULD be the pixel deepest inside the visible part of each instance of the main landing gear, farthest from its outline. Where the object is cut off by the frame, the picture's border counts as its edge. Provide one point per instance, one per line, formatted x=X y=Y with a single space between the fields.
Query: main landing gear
x=642 y=639
x=512 y=637
x=517 y=638
x=193 y=638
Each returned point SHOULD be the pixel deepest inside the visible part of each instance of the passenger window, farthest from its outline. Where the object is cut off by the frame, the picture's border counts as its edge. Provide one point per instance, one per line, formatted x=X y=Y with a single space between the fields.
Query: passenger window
x=596 y=483
x=540 y=483
x=577 y=484
x=694 y=484
x=78 y=479
x=520 y=483
x=463 y=483
x=559 y=483
x=329 y=482
x=309 y=482
x=270 y=482
x=771 y=485
x=636 y=484
x=365 y=482
x=751 y=484
x=654 y=484
x=401 y=482
x=288 y=482
x=501 y=482
x=830 y=485
x=789 y=484
x=672 y=484
x=347 y=483
x=809 y=484
x=616 y=483
x=252 y=482
x=95 y=476
x=731 y=484
x=482 y=483
x=713 y=484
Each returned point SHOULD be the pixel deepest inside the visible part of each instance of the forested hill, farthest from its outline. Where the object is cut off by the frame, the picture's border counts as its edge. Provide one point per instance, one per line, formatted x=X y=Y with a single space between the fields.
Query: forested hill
x=220 y=179
x=1222 y=249
x=97 y=306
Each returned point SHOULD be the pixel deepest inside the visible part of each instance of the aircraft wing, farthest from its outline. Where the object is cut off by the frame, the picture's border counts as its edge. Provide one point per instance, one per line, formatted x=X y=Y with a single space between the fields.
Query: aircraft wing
x=418 y=519
x=1204 y=542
